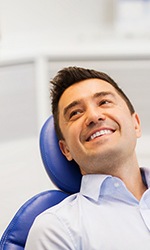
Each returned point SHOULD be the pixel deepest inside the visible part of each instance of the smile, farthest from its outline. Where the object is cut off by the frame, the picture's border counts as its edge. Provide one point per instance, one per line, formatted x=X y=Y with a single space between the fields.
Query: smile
x=100 y=133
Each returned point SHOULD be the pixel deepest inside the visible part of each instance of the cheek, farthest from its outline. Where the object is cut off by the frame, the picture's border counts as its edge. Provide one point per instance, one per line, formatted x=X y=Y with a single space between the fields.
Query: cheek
x=129 y=128
x=122 y=115
x=71 y=135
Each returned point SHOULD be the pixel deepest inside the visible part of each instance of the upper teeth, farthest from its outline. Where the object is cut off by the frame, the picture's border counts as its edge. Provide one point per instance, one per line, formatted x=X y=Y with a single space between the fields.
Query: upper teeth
x=99 y=133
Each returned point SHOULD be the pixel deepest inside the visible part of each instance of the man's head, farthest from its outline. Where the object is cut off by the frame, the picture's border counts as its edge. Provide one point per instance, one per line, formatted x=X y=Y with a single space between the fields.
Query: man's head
x=95 y=122
x=71 y=75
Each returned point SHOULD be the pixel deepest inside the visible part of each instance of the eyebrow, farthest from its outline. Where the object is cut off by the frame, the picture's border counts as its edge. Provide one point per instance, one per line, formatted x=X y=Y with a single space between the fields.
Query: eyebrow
x=103 y=93
x=71 y=105
x=78 y=102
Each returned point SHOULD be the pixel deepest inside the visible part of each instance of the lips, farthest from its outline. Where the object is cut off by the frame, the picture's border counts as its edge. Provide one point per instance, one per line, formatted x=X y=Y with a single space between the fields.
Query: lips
x=99 y=133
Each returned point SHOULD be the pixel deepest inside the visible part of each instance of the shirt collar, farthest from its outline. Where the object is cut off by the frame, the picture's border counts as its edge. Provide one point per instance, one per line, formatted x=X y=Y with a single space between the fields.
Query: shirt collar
x=91 y=184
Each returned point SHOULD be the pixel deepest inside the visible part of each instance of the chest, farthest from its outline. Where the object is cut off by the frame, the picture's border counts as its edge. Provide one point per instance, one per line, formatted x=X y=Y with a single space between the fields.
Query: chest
x=112 y=226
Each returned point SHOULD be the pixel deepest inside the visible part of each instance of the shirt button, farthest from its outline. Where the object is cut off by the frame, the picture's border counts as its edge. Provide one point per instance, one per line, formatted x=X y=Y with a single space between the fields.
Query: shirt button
x=116 y=184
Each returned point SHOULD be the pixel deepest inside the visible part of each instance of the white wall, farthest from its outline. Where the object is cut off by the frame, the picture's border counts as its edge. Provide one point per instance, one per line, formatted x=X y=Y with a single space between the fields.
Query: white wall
x=24 y=21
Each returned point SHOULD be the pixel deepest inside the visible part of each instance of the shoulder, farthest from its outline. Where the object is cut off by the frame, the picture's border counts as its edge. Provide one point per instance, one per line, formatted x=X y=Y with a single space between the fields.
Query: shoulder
x=52 y=227
x=70 y=200
x=58 y=213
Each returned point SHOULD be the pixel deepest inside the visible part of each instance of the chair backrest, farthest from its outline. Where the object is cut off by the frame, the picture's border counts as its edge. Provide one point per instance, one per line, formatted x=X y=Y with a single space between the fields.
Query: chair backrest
x=64 y=174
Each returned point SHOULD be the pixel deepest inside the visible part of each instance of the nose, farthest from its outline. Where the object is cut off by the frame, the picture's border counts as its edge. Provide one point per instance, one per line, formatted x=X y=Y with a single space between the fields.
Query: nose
x=94 y=116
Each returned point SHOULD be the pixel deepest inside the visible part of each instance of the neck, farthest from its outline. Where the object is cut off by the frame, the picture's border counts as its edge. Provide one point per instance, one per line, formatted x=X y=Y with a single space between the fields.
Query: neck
x=134 y=183
x=132 y=177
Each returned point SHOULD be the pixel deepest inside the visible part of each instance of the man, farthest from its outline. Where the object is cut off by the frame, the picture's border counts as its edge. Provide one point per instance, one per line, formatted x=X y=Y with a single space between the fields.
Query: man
x=97 y=127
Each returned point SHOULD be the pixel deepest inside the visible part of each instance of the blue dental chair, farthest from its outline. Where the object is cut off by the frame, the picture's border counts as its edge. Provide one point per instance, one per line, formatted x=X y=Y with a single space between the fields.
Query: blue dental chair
x=64 y=174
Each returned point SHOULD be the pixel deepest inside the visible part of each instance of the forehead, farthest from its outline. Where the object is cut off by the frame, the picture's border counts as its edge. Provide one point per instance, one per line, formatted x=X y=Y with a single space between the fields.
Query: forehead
x=84 y=89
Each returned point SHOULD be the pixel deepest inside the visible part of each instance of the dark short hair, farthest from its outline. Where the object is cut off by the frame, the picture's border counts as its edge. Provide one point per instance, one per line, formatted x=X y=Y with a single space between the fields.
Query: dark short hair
x=71 y=75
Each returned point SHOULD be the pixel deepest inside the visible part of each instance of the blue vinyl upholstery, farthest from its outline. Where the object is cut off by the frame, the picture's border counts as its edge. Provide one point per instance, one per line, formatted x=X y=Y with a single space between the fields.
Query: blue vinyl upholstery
x=64 y=174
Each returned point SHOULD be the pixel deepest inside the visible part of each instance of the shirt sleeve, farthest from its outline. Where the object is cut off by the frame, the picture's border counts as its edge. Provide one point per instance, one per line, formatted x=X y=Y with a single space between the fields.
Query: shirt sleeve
x=49 y=232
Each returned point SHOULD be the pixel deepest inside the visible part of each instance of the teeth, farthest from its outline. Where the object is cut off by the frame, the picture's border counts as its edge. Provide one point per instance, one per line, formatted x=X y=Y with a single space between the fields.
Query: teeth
x=99 y=133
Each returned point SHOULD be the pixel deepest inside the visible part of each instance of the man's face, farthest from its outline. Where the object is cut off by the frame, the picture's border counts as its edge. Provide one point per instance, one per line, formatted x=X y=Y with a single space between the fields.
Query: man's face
x=97 y=126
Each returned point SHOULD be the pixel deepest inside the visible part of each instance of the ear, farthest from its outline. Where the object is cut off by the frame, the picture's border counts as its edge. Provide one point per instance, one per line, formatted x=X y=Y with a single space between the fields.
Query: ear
x=65 y=150
x=137 y=124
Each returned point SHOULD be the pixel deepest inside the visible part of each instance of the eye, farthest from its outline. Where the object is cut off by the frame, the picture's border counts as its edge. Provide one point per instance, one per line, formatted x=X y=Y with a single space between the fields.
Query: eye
x=104 y=102
x=75 y=113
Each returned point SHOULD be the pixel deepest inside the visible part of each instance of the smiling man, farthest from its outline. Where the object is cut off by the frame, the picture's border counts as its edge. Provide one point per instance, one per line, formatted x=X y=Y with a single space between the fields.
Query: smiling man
x=97 y=127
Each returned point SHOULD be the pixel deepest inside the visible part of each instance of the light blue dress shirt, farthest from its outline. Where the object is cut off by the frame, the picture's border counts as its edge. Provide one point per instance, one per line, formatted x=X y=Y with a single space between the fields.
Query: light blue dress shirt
x=104 y=215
